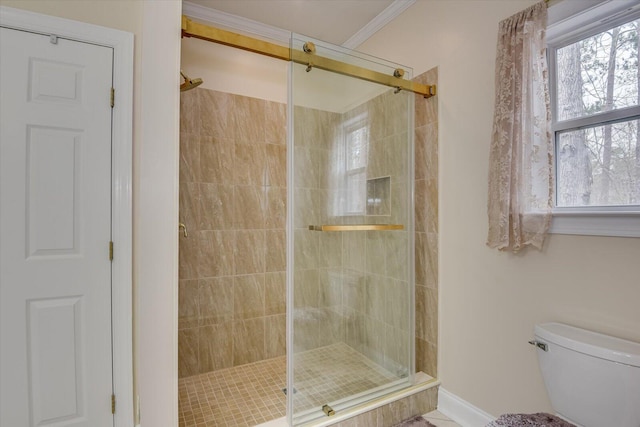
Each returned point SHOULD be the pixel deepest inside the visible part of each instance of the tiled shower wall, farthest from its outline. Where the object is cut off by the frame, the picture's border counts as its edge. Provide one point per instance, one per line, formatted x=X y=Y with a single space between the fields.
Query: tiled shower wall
x=318 y=256
x=426 y=233
x=232 y=201
x=376 y=289
x=351 y=286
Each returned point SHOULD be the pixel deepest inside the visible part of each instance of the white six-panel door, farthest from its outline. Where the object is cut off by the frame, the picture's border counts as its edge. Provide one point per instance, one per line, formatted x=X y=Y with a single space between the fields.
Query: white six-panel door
x=55 y=228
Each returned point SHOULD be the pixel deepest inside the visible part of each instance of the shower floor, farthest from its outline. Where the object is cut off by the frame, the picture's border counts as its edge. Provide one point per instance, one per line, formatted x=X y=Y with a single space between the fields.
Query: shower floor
x=248 y=395
x=244 y=395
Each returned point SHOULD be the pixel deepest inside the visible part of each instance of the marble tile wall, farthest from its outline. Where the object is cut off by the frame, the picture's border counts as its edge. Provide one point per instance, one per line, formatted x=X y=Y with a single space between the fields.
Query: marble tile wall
x=341 y=282
x=426 y=232
x=375 y=286
x=376 y=292
x=232 y=200
x=349 y=287
x=318 y=256
x=395 y=412
x=368 y=286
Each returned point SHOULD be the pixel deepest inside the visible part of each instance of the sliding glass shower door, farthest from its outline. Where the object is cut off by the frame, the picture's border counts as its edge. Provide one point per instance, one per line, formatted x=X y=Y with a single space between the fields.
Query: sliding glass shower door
x=350 y=232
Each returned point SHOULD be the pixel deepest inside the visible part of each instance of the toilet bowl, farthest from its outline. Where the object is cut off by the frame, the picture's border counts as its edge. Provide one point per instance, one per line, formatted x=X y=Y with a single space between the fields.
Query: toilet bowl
x=593 y=380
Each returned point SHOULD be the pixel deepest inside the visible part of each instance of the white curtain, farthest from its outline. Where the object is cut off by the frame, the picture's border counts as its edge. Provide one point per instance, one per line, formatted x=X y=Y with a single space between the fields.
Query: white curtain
x=521 y=157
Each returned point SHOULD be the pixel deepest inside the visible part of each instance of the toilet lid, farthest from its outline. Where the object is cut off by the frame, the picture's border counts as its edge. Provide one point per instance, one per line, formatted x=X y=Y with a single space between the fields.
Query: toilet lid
x=591 y=343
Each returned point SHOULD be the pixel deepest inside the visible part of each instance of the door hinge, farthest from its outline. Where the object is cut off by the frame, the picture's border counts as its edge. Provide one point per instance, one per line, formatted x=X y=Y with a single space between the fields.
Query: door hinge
x=113 y=403
x=110 y=251
x=113 y=97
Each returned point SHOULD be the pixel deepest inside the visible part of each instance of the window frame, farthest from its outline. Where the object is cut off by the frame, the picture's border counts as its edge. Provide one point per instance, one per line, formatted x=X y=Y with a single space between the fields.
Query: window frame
x=621 y=221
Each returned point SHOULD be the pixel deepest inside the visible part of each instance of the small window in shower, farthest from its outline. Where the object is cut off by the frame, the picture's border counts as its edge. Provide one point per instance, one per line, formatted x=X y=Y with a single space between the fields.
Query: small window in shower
x=356 y=152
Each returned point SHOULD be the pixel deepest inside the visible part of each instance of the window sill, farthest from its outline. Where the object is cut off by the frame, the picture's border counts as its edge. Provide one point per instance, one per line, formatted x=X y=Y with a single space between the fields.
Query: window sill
x=619 y=223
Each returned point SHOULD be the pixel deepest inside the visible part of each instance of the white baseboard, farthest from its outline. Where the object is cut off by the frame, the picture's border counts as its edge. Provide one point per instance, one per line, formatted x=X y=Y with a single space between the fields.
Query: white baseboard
x=461 y=411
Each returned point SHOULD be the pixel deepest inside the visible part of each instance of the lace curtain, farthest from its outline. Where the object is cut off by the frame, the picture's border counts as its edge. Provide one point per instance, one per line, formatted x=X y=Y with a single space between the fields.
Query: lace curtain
x=521 y=157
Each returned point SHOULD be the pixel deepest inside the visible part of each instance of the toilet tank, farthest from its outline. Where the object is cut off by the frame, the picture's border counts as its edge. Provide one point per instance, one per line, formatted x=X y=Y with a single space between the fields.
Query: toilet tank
x=592 y=379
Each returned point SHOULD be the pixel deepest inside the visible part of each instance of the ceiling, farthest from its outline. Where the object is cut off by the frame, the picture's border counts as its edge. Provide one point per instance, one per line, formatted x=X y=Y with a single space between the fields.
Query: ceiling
x=334 y=21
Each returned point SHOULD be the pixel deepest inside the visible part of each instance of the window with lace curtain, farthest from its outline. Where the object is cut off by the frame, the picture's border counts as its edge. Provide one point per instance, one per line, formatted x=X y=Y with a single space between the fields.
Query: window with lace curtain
x=595 y=102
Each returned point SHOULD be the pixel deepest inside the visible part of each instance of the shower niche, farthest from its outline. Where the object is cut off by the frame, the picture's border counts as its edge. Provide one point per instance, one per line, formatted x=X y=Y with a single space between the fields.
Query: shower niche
x=379 y=196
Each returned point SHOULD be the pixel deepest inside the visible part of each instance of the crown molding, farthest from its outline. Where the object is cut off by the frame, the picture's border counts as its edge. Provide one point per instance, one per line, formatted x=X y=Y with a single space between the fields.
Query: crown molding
x=383 y=18
x=245 y=25
x=235 y=22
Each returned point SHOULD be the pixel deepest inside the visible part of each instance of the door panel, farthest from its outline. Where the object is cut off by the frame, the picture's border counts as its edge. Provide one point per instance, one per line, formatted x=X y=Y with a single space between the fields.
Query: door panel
x=55 y=358
x=53 y=157
x=349 y=306
x=55 y=225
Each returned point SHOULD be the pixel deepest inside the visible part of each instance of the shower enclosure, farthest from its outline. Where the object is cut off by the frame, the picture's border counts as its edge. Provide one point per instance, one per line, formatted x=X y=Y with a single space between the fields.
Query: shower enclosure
x=350 y=256
x=345 y=246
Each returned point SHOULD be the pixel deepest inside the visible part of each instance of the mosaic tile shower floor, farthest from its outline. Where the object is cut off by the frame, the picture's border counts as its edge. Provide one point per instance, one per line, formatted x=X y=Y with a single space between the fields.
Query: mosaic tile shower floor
x=247 y=395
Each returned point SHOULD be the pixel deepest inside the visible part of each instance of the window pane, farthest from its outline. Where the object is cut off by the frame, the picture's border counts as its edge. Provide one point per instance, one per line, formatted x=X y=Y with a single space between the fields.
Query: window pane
x=356 y=193
x=357 y=148
x=599 y=166
x=599 y=73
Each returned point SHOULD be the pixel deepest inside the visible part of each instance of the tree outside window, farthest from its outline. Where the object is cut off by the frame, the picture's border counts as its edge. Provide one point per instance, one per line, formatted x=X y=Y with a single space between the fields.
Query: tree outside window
x=597 y=119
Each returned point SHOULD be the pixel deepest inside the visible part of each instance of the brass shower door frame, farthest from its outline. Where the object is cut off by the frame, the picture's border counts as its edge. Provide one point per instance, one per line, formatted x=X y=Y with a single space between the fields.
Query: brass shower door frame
x=309 y=58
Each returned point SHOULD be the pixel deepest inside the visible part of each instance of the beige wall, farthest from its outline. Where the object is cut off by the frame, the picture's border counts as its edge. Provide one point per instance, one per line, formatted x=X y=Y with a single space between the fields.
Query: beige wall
x=231 y=70
x=125 y=15
x=490 y=301
x=155 y=218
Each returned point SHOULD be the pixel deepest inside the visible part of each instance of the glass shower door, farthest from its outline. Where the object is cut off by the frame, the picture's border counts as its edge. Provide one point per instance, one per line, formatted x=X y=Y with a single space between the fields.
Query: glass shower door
x=350 y=234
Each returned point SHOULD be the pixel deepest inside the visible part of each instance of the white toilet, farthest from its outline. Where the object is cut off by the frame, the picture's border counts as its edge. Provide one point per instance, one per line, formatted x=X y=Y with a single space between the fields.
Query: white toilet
x=593 y=380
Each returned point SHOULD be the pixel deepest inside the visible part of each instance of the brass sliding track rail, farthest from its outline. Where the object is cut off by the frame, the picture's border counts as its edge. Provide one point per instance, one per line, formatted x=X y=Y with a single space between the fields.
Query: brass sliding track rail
x=306 y=57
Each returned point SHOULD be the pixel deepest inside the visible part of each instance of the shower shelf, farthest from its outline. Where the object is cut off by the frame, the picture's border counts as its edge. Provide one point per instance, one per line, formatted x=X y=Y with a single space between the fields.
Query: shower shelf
x=359 y=227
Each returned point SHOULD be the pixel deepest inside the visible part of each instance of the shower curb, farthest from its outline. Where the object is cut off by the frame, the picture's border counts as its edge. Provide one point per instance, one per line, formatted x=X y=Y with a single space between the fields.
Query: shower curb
x=393 y=408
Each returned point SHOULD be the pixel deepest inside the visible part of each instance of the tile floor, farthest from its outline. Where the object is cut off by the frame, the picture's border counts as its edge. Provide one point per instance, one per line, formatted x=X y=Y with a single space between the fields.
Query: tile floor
x=440 y=420
x=334 y=372
x=252 y=394
x=240 y=397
